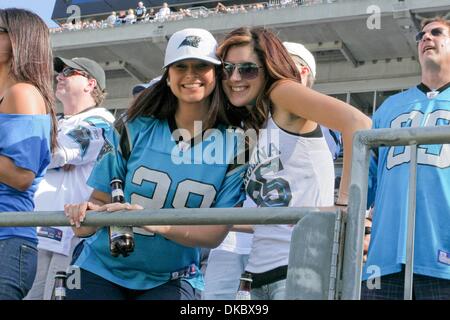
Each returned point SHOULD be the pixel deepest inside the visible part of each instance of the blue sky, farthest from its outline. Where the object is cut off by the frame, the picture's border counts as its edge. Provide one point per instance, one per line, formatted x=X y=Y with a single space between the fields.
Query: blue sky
x=43 y=8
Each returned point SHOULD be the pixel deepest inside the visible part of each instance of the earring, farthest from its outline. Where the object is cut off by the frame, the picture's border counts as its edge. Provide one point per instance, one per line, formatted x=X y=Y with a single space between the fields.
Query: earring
x=168 y=82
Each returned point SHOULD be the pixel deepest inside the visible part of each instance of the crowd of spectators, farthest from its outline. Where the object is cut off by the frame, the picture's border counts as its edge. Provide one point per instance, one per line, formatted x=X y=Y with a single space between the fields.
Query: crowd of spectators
x=164 y=13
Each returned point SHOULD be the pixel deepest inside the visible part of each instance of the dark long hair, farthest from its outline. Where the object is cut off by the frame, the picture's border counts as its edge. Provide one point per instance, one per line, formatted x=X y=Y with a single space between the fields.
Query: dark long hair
x=158 y=101
x=32 y=60
x=277 y=63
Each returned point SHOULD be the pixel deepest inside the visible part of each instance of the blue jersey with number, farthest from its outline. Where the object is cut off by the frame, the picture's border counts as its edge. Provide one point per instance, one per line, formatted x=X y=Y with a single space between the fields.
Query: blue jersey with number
x=387 y=251
x=159 y=173
x=25 y=139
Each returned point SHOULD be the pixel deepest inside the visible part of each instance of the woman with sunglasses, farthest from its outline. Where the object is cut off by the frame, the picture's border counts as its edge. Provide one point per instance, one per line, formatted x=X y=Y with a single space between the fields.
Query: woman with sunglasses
x=152 y=151
x=27 y=131
x=292 y=167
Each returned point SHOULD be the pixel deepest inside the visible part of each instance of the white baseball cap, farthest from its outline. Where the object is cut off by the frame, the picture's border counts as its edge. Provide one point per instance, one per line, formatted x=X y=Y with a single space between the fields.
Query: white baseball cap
x=191 y=43
x=300 y=51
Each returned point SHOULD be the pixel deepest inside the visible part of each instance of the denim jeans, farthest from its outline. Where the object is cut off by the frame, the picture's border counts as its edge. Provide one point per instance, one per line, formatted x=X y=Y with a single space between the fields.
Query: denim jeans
x=94 y=287
x=18 y=263
x=271 y=291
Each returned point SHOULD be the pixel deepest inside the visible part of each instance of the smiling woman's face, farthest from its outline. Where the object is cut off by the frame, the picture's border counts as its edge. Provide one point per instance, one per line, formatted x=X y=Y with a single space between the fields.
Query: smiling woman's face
x=192 y=80
x=239 y=90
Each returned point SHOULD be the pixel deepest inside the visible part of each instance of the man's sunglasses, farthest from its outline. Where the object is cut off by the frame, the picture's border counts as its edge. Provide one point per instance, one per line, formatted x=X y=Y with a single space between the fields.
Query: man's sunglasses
x=68 y=72
x=436 y=32
x=247 y=70
x=3 y=29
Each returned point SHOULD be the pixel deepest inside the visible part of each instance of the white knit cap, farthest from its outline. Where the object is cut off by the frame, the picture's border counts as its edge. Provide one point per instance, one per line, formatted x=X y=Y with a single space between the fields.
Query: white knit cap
x=300 y=51
x=191 y=43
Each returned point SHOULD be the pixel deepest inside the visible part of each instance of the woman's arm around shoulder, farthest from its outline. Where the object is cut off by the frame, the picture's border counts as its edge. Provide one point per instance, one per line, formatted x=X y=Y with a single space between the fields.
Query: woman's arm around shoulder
x=309 y=104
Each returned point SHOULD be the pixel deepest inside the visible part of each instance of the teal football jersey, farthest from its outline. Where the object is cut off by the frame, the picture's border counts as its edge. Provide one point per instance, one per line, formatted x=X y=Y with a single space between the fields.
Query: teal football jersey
x=412 y=108
x=159 y=173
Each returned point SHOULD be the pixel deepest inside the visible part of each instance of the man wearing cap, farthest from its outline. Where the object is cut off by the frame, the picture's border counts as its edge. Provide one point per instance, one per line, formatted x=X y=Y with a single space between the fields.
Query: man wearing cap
x=306 y=64
x=137 y=89
x=81 y=89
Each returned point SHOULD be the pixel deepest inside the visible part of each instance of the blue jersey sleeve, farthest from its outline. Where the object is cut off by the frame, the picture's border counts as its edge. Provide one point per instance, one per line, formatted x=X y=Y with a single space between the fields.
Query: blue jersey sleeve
x=372 y=183
x=232 y=191
x=110 y=163
x=25 y=139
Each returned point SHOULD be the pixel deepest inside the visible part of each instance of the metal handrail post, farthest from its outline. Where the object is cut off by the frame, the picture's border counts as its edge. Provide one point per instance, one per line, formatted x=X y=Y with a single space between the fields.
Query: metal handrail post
x=353 y=250
x=362 y=142
x=409 y=265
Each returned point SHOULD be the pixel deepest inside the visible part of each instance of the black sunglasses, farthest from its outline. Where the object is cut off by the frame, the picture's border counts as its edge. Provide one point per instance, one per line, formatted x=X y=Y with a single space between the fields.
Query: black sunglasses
x=68 y=72
x=436 y=32
x=3 y=29
x=247 y=70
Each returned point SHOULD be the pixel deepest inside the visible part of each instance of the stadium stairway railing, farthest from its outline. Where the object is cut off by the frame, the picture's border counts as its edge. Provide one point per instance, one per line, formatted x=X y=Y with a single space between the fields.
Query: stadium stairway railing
x=363 y=141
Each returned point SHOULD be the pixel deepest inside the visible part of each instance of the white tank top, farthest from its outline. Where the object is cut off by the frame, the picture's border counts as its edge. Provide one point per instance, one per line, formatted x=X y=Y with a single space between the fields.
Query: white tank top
x=285 y=170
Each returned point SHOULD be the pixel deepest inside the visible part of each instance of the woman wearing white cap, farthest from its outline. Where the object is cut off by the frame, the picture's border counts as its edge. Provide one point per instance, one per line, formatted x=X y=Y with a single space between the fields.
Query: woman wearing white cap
x=153 y=153
x=291 y=165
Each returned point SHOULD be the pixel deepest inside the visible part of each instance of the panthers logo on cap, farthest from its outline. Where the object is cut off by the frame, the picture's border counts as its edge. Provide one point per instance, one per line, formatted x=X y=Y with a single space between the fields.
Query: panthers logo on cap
x=191 y=41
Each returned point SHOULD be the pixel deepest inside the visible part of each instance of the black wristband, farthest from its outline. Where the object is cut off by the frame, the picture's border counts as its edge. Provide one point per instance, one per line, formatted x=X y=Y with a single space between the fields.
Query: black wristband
x=340 y=204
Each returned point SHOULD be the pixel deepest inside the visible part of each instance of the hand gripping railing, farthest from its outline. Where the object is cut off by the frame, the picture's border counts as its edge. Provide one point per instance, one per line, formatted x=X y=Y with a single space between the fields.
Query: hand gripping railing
x=363 y=141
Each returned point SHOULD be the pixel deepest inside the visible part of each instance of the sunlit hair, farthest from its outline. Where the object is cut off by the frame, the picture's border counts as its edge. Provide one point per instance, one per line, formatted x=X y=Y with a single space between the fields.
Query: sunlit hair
x=98 y=94
x=436 y=19
x=277 y=63
x=158 y=101
x=32 y=60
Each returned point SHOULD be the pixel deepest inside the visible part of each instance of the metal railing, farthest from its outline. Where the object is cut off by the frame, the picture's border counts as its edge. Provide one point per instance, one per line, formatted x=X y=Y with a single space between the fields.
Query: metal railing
x=188 y=216
x=363 y=141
